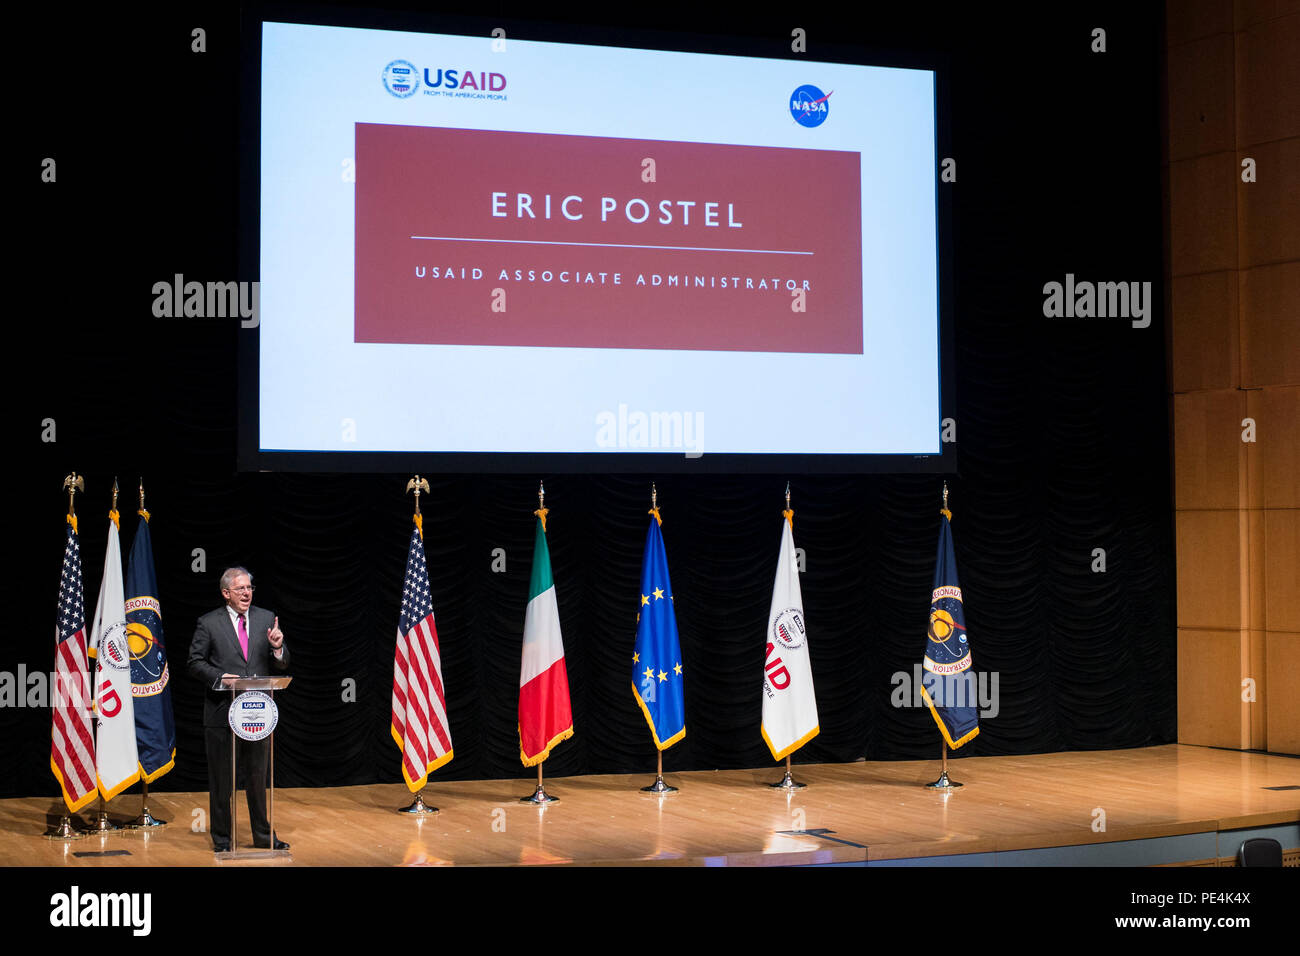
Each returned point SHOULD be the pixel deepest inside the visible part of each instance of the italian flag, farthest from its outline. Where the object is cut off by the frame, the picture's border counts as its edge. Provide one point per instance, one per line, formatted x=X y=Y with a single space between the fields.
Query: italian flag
x=545 y=717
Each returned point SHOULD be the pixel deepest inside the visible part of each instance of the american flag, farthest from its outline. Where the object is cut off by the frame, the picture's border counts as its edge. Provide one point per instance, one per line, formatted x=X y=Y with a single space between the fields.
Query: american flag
x=419 y=704
x=72 y=751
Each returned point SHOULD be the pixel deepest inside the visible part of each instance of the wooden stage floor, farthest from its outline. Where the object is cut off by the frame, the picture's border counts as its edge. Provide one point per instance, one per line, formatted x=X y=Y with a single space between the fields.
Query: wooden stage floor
x=850 y=813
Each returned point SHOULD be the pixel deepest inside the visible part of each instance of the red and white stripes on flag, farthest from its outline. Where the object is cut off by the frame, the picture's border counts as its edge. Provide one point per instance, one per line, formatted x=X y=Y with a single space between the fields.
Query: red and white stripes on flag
x=419 y=703
x=72 y=748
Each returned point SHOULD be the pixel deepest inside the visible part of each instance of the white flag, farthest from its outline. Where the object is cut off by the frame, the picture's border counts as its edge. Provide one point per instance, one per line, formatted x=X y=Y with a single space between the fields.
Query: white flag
x=116 y=763
x=789 y=705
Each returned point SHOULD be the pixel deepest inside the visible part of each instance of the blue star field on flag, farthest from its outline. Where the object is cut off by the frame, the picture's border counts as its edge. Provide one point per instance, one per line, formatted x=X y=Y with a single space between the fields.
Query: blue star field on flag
x=657 y=657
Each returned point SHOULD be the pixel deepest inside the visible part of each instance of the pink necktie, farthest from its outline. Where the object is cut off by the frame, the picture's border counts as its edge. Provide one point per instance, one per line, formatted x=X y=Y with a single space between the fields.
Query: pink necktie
x=243 y=637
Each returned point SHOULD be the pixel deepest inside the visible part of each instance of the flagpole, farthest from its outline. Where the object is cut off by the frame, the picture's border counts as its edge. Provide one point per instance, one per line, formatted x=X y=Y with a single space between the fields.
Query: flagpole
x=944 y=782
x=417 y=806
x=64 y=829
x=658 y=786
x=101 y=824
x=539 y=797
x=788 y=782
x=146 y=820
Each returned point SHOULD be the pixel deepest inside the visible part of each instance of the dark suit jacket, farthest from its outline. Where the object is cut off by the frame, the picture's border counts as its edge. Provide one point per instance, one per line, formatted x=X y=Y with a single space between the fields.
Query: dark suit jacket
x=215 y=651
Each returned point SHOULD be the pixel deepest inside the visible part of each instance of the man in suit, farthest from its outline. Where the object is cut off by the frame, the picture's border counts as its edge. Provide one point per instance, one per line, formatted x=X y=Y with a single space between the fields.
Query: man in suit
x=237 y=640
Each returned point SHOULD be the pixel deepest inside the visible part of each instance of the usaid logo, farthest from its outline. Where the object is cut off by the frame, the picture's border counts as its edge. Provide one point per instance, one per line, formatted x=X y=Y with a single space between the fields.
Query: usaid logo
x=253 y=715
x=788 y=629
x=810 y=106
x=401 y=78
x=113 y=648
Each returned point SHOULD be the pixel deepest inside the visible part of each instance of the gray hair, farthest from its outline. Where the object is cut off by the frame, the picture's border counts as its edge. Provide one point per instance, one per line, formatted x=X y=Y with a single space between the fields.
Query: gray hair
x=228 y=576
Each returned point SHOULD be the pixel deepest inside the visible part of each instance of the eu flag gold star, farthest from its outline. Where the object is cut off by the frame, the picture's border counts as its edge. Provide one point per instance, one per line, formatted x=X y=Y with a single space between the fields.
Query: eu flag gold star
x=662 y=677
x=649 y=673
x=678 y=669
x=636 y=658
x=658 y=593
x=645 y=599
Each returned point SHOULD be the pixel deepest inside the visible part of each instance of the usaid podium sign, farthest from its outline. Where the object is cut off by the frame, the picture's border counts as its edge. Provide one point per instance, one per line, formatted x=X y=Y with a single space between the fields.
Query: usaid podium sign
x=253 y=715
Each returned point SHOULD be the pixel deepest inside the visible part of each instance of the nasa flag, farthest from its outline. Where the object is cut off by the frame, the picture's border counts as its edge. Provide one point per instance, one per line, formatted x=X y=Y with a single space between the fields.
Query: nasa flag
x=789 y=704
x=117 y=765
x=947 y=682
x=155 y=730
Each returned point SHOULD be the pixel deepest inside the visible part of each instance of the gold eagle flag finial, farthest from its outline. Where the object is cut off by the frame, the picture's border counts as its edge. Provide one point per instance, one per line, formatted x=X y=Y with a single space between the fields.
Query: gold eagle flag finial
x=72 y=484
x=418 y=484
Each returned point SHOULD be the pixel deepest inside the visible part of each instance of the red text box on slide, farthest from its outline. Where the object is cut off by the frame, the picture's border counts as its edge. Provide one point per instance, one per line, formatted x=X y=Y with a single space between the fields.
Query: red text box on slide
x=729 y=233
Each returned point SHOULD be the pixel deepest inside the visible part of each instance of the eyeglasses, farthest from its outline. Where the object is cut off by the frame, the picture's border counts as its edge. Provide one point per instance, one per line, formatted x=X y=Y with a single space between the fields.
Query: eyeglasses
x=246 y=587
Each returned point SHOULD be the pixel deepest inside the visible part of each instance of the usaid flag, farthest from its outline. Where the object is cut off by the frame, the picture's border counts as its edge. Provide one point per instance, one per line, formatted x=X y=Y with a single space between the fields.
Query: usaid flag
x=948 y=684
x=117 y=764
x=789 y=704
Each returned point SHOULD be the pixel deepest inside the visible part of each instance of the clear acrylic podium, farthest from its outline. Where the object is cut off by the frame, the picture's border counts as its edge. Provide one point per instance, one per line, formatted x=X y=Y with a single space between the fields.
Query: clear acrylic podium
x=238 y=686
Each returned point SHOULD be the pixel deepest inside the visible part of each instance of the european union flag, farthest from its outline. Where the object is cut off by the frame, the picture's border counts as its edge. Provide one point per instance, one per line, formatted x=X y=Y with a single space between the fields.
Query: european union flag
x=657 y=658
x=155 y=732
x=948 y=683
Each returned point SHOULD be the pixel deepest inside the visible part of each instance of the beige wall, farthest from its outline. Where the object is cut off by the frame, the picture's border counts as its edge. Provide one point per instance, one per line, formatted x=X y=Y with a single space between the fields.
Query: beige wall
x=1233 y=294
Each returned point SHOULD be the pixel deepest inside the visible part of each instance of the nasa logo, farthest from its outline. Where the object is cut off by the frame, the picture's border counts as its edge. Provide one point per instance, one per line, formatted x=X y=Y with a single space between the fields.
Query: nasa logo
x=401 y=78
x=810 y=106
x=788 y=629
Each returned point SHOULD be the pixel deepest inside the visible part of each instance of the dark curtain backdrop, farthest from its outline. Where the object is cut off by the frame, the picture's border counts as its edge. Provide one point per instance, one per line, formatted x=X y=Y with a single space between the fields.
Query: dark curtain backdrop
x=1061 y=426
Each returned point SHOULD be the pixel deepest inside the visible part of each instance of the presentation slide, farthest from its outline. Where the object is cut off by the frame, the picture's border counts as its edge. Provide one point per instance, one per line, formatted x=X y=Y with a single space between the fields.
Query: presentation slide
x=526 y=247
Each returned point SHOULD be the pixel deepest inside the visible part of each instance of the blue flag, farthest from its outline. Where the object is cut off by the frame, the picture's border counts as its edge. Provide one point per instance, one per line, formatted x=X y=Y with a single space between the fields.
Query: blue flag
x=948 y=683
x=155 y=731
x=657 y=658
